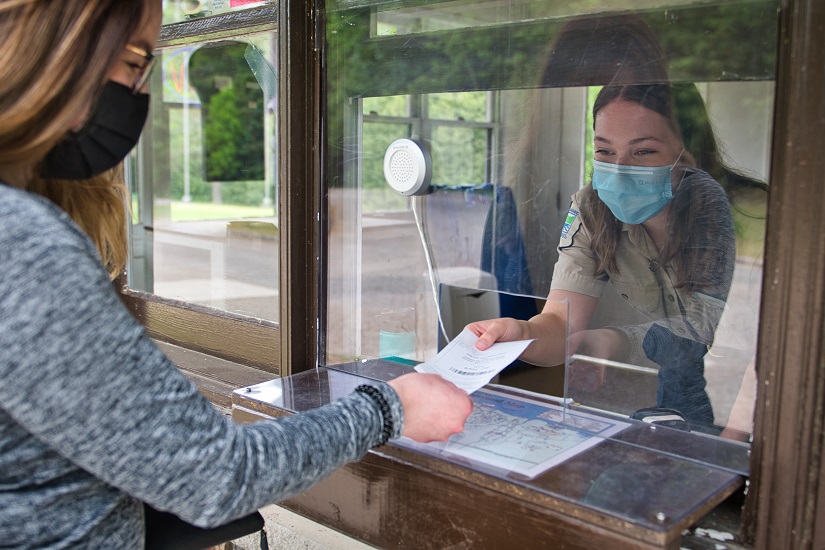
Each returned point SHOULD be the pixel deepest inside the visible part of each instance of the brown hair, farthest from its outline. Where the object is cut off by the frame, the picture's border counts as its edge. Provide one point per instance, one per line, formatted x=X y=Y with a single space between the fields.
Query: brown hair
x=698 y=137
x=587 y=50
x=100 y=207
x=604 y=50
x=54 y=58
x=684 y=224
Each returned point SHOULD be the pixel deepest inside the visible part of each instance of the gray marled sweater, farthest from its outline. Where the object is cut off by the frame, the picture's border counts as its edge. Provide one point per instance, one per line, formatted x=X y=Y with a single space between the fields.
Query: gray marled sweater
x=95 y=419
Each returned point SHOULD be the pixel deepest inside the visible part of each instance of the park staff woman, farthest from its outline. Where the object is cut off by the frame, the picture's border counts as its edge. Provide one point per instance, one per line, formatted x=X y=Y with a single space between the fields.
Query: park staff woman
x=661 y=231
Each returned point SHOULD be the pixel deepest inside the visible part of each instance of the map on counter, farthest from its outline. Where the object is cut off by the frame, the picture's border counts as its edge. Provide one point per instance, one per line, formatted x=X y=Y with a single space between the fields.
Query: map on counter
x=521 y=435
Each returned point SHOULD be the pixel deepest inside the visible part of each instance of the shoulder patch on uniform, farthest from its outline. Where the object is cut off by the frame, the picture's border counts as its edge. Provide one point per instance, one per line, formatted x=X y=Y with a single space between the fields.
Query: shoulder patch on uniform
x=572 y=214
x=572 y=225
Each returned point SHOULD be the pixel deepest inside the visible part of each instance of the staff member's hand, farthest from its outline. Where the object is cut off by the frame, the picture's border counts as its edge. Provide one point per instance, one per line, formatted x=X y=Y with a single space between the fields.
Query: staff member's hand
x=497 y=330
x=434 y=409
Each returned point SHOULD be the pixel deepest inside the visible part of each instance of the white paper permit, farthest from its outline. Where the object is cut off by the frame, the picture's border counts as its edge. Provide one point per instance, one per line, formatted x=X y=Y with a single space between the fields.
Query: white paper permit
x=470 y=368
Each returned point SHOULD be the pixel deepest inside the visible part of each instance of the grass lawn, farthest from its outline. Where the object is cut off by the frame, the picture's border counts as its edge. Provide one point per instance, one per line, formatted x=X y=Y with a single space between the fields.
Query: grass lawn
x=200 y=211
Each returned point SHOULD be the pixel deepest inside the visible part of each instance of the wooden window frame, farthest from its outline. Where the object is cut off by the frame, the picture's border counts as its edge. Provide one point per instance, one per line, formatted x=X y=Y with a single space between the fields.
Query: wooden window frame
x=783 y=505
x=290 y=344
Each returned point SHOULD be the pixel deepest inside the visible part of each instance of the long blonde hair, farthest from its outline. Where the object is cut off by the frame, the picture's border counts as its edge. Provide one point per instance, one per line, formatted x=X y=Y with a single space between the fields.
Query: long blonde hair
x=100 y=207
x=54 y=58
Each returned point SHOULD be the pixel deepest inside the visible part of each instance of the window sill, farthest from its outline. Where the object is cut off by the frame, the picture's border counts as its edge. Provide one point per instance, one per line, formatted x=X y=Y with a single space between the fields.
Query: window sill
x=215 y=378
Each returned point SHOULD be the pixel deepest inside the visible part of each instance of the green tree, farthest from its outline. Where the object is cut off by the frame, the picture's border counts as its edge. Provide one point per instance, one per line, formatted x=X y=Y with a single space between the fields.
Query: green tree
x=220 y=69
x=224 y=130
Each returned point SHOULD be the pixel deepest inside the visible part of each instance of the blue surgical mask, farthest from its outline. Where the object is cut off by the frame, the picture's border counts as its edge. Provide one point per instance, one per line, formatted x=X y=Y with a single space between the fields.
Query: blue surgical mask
x=633 y=193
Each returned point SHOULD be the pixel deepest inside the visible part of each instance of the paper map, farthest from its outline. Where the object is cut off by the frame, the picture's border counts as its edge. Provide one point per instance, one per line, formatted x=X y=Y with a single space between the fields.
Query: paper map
x=521 y=435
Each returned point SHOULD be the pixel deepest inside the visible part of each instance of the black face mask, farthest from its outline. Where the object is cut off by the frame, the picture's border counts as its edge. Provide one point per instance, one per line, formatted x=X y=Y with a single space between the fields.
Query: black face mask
x=111 y=132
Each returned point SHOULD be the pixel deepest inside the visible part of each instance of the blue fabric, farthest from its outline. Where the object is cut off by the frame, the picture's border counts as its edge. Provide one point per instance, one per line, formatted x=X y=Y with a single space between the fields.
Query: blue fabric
x=503 y=253
x=681 y=374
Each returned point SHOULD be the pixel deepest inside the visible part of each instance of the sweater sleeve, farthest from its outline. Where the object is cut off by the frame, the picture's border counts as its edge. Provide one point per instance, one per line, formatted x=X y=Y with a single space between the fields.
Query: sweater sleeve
x=80 y=375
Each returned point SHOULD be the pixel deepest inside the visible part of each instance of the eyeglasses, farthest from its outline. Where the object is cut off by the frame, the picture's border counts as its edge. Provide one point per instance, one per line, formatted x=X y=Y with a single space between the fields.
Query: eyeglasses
x=145 y=71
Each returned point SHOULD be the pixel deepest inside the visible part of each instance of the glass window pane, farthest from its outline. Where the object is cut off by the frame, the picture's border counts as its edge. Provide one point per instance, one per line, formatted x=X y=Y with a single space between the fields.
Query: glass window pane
x=458 y=14
x=395 y=106
x=377 y=197
x=460 y=155
x=521 y=129
x=471 y=106
x=206 y=230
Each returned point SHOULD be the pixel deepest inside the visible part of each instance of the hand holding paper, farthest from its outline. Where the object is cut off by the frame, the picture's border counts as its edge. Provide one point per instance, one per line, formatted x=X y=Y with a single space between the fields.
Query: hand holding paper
x=464 y=365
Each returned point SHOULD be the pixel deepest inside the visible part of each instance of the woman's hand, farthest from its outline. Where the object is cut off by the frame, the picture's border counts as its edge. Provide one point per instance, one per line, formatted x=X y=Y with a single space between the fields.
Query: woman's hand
x=497 y=330
x=546 y=351
x=434 y=409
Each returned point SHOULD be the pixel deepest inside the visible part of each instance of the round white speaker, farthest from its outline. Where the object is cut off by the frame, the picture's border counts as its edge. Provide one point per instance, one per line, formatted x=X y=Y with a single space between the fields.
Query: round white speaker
x=407 y=167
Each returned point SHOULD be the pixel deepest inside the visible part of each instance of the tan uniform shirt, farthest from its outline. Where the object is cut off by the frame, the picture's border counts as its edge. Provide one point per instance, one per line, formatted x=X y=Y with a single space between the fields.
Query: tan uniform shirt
x=641 y=280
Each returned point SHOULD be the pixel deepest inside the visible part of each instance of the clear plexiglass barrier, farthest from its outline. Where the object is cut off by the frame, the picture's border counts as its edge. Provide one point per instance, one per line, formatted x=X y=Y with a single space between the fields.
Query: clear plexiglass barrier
x=592 y=178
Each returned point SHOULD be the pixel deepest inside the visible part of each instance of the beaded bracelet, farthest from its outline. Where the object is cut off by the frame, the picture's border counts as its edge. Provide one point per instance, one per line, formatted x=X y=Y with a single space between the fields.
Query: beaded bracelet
x=379 y=399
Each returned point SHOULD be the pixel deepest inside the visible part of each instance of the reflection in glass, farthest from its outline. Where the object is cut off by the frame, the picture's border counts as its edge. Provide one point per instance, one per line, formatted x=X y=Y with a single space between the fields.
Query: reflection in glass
x=175 y=11
x=509 y=151
x=205 y=180
x=459 y=14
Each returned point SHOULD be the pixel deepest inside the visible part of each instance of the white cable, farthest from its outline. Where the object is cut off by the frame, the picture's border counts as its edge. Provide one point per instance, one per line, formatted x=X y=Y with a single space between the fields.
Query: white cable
x=430 y=263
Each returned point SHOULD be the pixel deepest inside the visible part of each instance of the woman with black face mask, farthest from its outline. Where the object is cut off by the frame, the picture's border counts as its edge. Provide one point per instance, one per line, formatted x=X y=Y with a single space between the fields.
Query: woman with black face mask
x=95 y=422
x=77 y=173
